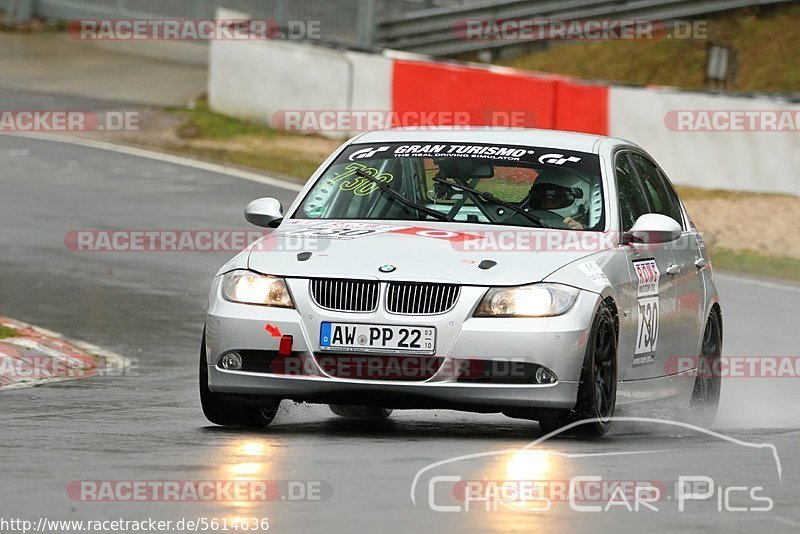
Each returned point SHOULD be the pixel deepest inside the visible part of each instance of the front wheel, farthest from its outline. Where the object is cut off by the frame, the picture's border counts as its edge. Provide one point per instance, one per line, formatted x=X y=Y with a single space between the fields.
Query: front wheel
x=597 y=391
x=229 y=410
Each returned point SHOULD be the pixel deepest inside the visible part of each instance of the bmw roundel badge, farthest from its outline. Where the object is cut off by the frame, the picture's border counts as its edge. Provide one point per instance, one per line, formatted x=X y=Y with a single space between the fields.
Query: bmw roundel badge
x=387 y=268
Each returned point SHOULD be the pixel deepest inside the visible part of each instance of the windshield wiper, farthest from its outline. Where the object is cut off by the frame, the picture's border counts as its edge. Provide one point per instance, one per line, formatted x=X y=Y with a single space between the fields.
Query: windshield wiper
x=400 y=198
x=486 y=195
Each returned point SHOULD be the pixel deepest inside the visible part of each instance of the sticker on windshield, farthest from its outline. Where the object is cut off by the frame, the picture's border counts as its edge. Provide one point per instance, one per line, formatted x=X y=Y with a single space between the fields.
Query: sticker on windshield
x=557 y=159
x=316 y=212
x=366 y=153
x=509 y=153
x=359 y=185
x=581 y=161
x=594 y=273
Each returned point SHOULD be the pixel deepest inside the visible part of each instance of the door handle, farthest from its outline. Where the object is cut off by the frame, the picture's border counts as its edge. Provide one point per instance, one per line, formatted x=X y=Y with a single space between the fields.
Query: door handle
x=700 y=262
x=674 y=269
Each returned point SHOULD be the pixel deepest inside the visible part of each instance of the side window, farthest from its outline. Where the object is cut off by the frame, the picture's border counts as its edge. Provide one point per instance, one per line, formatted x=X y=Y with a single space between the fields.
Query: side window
x=632 y=202
x=662 y=197
x=673 y=196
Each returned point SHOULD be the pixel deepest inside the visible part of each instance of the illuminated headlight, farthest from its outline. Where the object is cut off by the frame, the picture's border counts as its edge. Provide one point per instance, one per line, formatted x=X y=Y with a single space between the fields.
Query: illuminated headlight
x=253 y=288
x=535 y=300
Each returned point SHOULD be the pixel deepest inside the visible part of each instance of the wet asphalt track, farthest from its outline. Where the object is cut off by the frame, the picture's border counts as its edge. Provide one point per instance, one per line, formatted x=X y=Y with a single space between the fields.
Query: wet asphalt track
x=149 y=426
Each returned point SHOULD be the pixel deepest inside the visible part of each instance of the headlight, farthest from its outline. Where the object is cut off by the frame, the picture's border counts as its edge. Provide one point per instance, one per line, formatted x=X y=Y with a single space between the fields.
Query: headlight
x=253 y=288
x=535 y=300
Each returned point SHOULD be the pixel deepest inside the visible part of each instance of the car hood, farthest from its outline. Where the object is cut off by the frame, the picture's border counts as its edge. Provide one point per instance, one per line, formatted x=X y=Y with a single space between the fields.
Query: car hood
x=468 y=254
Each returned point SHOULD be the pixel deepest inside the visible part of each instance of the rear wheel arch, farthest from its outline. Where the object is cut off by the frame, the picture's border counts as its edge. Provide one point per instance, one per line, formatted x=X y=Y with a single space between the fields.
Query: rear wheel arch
x=708 y=382
x=713 y=309
x=717 y=308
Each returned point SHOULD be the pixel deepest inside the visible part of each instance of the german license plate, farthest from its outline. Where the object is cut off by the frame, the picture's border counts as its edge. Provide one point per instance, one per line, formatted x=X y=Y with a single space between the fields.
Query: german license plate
x=392 y=339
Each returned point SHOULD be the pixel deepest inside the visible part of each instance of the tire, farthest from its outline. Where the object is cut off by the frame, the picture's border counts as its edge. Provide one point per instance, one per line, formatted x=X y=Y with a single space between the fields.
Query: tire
x=708 y=382
x=597 y=390
x=370 y=413
x=228 y=410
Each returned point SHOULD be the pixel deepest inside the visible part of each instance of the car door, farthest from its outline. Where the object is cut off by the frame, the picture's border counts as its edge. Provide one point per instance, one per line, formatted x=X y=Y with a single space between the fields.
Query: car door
x=652 y=298
x=690 y=257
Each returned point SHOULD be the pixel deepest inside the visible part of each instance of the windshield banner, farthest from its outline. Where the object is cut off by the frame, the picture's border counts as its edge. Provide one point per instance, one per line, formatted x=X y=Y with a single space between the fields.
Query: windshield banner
x=496 y=153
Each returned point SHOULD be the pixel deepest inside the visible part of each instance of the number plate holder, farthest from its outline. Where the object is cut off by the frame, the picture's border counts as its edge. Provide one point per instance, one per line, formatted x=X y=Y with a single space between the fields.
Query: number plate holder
x=377 y=338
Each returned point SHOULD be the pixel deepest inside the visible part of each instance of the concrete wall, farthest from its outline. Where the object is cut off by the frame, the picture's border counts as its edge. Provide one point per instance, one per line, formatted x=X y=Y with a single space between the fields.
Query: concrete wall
x=260 y=80
x=765 y=161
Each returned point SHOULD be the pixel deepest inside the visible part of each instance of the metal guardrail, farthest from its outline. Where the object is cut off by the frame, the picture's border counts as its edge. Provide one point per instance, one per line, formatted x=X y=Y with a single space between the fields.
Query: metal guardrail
x=349 y=22
x=431 y=31
x=411 y=25
x=346 y=22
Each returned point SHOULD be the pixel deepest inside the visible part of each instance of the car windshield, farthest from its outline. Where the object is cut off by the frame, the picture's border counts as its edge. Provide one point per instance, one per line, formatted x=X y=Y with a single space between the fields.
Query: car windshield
x=468 y=183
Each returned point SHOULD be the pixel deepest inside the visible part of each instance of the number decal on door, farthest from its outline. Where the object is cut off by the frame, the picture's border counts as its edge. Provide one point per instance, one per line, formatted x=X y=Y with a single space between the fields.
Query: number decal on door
x=647 y=333
x=648 y=276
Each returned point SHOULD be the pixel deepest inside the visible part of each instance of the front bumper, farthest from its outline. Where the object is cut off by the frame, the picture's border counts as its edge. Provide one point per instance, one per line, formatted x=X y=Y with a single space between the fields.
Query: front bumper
x=473 y=397
x=557 y=343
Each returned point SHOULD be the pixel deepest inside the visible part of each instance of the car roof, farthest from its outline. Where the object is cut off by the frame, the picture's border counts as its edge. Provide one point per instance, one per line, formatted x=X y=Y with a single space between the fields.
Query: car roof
x=580 y=142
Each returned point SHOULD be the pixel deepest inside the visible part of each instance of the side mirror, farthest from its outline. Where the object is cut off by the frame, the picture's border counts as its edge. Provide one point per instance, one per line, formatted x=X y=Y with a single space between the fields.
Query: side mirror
x=652 y=228
x=266 y=212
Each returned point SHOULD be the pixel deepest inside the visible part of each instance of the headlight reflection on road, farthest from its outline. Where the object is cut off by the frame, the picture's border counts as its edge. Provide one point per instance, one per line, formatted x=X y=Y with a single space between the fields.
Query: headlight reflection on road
x=528 y=465
x=510 y=485
x=253 y=448
x=247 y=460
x=244 y=471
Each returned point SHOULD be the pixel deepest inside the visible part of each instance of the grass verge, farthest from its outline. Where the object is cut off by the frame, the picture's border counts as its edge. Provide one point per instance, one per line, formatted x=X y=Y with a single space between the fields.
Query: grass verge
x=202 y=122
x=285 y=163
x=7 y=332
x=749 y=262
x=764 y=38
x=696 y=193
x=209 y=135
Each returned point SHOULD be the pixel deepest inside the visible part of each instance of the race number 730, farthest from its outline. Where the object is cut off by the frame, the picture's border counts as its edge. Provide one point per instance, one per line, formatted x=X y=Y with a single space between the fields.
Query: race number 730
x=348 y=180
x=647 y=333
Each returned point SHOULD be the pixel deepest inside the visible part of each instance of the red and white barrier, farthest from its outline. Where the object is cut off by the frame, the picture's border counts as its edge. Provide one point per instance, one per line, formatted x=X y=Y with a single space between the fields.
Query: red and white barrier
x=499 y=96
